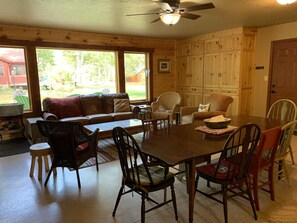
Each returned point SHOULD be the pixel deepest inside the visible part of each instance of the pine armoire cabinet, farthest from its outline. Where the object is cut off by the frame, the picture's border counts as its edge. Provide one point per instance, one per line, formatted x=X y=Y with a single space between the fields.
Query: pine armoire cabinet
x=220 y=62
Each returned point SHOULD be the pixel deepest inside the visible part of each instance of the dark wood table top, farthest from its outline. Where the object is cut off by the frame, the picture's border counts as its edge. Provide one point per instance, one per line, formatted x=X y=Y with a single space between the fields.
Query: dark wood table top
x=185 y=143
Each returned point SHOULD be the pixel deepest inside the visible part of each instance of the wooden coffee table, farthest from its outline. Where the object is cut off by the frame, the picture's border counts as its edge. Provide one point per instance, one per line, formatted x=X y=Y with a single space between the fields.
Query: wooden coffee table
x=105 y=129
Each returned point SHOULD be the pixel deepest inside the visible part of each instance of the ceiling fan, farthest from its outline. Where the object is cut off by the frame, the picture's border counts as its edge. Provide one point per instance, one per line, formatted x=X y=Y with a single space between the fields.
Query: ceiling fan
x=171 y=11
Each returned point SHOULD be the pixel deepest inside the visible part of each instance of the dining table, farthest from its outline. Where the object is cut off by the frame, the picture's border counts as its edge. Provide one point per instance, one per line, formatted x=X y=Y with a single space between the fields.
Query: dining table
x=186 y=145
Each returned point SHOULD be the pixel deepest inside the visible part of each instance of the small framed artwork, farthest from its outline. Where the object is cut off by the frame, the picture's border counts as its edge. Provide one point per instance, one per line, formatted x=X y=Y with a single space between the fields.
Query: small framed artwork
x=164 y=66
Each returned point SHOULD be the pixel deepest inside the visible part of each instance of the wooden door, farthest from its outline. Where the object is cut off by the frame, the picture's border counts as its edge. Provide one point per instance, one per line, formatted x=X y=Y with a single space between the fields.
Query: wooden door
x=283 y=71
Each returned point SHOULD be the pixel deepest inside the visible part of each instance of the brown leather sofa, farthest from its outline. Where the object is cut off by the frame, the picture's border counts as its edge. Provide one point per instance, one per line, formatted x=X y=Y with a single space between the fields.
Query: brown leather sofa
x=90 y=109
x=219 y=104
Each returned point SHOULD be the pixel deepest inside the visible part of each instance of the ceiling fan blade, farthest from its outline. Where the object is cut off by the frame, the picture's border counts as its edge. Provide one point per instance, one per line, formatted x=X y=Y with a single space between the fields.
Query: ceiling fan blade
x=198 y=7
x=156 y=20
x=190 y=16
x=166 y=7
x=150 y=13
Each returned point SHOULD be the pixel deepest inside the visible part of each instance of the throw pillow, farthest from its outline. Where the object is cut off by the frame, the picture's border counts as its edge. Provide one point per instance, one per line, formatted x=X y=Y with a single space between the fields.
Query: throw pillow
x=121 y=105
x=203 y=108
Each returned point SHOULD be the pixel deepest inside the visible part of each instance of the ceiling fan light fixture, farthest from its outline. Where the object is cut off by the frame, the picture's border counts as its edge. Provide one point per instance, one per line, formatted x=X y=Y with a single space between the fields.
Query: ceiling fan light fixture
x=170 y=18
x=285 y=2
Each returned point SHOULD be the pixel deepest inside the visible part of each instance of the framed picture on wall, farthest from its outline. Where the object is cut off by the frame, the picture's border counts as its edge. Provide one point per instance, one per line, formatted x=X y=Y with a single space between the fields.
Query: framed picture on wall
x=164 y=66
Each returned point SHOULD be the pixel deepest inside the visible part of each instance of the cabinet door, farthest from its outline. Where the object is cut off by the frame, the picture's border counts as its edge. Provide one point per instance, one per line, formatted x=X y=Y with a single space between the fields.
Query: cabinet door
x=212 y=67
x=183 y=71
x=229 y=75
x=197 y=47
x=232 y=42
x=183 y=49
x=212 y=45
x=197 y=70
x=192 y=99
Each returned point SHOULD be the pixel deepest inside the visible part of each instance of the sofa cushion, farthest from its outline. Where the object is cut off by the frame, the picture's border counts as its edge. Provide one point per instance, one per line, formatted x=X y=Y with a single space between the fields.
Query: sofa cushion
x=99 y=118
x=108 y=101
x=91 y=104
x=63 y=107
x=122 y=116
x=121 y=105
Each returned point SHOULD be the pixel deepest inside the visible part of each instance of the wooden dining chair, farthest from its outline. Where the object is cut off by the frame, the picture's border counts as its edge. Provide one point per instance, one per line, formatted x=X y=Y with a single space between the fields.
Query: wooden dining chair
x=71 y=145
x=138 y=176
x=155 y=126
x=286 y=111
x=263 y=160
x=231 y=170
x=283 y=150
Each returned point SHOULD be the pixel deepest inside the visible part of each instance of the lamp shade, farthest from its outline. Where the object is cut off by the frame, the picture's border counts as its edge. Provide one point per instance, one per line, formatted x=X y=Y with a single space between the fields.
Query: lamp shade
x=285 y=2
x=170 y=18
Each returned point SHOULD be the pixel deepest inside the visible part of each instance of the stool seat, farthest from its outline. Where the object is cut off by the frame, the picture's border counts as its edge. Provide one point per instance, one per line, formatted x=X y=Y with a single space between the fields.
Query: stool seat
x=40 y=150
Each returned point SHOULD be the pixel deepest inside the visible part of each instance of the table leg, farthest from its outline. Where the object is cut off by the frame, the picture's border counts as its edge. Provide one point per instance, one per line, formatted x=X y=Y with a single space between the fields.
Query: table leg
x=190 y=178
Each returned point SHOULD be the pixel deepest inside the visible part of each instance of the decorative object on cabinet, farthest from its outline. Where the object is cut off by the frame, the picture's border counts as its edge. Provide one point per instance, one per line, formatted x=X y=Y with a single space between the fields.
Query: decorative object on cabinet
x=164 y=66
x=167 y=104
x=219 y=104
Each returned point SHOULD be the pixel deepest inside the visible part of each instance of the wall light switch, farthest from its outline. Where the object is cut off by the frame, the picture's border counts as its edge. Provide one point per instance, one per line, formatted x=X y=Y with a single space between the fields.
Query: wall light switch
x=265 y=78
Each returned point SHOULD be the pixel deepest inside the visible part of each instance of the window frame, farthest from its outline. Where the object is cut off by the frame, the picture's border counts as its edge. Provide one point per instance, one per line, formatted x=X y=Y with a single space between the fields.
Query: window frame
x=32 y=68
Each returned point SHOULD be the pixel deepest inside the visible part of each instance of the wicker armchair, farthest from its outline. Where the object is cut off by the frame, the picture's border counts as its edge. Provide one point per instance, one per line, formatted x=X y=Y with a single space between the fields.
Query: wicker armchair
x=166 y=105
x=71 y=145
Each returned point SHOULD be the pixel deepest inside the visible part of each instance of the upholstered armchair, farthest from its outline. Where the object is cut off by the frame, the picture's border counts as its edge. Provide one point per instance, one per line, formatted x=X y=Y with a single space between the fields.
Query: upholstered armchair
x=218 y=105
x=166 y=105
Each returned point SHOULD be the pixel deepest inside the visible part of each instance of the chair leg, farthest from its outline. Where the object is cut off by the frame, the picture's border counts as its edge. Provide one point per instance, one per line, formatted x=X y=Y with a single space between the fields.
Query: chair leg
x=255 y=190
x=143 y=207
x=271 y=183
x=285 y=171
x=291 y=154
x=118 y=200
x=77 y=176
x=97 y=165
x=165 y=194
x=48 y=175
x=224 y=191
x=174 y=201
x=248 y=190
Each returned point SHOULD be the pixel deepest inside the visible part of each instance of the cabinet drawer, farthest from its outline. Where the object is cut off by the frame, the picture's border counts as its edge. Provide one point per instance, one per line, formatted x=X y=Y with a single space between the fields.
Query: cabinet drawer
x=229 y=91
x=211 y=90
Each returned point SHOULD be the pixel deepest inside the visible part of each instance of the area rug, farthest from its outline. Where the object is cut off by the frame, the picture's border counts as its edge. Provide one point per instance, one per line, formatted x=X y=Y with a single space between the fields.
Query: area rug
x=107 y=151
x=14 y=146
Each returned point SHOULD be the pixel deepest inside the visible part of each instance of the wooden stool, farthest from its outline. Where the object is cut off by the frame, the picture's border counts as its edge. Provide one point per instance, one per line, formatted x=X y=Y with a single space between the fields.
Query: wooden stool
x=40 y=150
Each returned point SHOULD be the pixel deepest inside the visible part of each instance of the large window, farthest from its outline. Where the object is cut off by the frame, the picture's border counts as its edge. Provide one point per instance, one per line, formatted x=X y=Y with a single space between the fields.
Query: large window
x=13 y=76
x=64 y=72
x=136 y=75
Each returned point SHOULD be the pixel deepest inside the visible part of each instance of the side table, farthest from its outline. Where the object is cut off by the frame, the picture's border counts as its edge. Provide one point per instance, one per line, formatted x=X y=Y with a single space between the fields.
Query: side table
x=145 y=111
